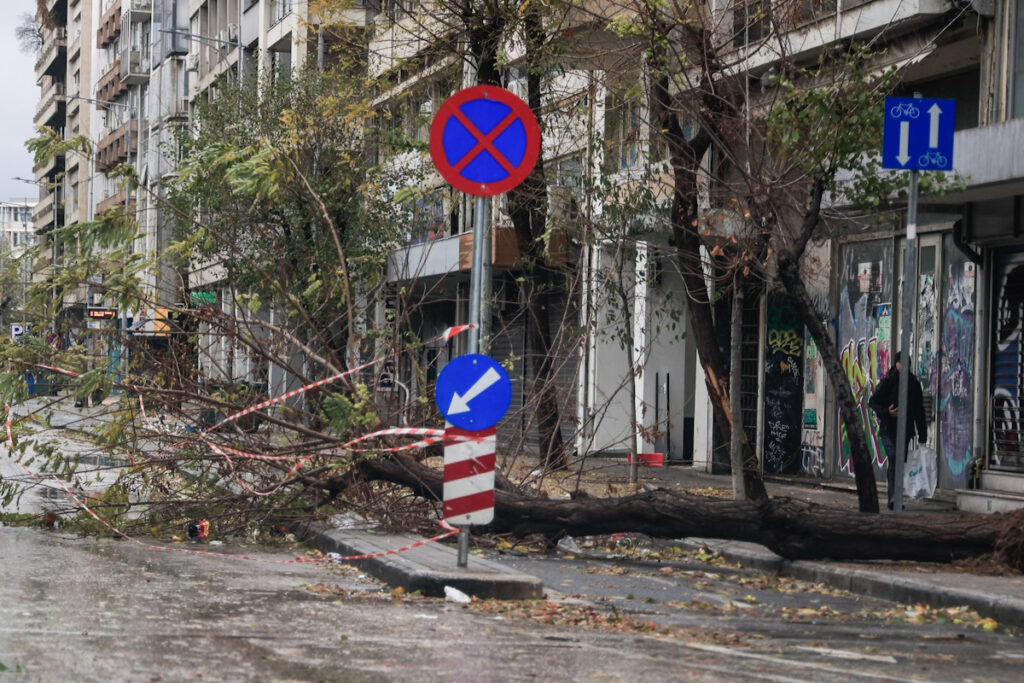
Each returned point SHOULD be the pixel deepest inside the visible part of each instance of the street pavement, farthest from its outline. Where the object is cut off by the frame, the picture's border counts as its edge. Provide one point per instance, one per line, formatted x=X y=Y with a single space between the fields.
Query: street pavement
x=89 y=609
x=751 y=615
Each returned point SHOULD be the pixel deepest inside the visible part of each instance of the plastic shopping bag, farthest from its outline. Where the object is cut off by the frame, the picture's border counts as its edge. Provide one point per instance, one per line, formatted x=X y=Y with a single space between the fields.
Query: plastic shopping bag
x=921 y=474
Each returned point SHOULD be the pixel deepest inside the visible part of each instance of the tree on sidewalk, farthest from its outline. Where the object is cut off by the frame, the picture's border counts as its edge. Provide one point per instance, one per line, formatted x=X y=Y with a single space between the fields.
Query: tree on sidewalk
x=277 y=193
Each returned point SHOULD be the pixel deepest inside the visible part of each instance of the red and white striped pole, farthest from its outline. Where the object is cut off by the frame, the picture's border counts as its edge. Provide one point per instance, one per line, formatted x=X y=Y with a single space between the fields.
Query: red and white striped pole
x=469 y=475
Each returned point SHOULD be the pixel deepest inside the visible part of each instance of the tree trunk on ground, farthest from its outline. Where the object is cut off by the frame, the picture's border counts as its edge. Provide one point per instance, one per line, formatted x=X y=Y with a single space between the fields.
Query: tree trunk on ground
x=792 y=528
x=789 y=274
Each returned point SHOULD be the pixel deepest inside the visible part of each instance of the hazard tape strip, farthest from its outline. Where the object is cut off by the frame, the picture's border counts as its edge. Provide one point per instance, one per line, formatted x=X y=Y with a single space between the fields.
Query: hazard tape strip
x=330 y=557
x=446 y=336
x=432 y=437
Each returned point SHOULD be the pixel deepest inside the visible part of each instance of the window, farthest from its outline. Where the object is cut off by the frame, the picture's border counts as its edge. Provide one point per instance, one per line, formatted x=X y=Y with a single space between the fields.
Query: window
x=751 y=22
x=621 y=132
x=280 y=9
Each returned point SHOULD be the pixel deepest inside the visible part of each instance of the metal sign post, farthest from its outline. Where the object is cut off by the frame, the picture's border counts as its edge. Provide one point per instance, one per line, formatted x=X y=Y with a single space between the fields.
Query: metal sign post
x=473 y=392
x=484 y=141
x=906 y=338
x=918 y=134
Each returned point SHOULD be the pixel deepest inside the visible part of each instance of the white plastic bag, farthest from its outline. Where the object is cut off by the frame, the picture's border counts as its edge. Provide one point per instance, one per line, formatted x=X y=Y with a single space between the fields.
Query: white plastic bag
x=921 y=473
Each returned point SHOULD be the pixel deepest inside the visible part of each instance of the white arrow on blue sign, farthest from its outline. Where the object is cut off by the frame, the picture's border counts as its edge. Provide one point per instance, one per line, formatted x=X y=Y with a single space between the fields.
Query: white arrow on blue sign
x=473 y=392
x=918 y=134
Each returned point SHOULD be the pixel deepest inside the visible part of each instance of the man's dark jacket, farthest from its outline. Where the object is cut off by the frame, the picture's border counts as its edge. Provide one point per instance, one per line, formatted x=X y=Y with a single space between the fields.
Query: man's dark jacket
x=887 y=393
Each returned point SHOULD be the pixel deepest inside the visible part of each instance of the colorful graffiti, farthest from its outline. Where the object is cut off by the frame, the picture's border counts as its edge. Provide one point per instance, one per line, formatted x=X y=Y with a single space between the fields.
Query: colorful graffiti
x=924 y=330
x=864 y=335
x=863 y=363
x=818 y=278
x=956 y=363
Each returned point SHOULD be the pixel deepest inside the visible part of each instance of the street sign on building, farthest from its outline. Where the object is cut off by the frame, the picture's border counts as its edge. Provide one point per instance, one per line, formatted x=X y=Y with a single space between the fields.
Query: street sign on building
x=469 y=459
x=918 y=134
x=473 y=392
x=484 y=140
x=101 y=313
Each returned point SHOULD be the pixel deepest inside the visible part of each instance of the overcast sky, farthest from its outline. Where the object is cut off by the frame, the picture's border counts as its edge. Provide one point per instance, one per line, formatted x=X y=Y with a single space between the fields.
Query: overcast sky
x=17 y=103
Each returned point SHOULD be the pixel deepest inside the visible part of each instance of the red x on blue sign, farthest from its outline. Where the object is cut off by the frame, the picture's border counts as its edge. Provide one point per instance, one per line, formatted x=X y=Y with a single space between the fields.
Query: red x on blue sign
x=484 y=140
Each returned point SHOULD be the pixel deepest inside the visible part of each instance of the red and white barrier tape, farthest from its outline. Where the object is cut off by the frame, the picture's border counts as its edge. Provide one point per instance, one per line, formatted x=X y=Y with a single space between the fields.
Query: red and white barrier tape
x=446 y=336
x=449 y=530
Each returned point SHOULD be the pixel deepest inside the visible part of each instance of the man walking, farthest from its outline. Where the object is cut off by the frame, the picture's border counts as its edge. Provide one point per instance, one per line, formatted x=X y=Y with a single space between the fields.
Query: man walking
x=885 y=402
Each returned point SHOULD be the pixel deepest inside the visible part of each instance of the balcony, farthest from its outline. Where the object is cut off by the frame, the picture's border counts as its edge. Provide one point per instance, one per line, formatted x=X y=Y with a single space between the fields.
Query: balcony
x=52 y=104
x=42 y=215
x=75 y=45
x=134 y=69
x=504 y=249
x=437 y=257
x=53 y=53
x=110 y=85
x=139 y=10
x=110 y=26
x=117 y=199
x=113 y=148
x=51 y=166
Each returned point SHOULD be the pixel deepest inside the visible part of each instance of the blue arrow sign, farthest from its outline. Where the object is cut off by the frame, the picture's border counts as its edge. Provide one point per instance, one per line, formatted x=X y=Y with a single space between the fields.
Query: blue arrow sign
x=473 y=392
x=918 y=134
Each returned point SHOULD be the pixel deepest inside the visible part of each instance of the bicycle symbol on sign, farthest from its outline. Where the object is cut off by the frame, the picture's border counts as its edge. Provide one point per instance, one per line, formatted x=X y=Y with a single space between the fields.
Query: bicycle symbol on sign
x=908 y=109
x=934 y=159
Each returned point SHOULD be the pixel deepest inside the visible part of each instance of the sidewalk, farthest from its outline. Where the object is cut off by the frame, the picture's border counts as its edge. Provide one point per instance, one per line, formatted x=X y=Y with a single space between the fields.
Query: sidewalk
x=998 y=597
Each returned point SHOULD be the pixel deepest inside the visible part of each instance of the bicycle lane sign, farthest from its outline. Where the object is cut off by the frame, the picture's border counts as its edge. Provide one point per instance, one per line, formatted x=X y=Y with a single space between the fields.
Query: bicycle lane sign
x=918 y=134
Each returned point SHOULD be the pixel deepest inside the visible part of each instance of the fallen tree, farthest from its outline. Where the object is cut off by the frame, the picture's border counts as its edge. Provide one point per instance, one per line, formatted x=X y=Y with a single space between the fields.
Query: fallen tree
x=792 y=528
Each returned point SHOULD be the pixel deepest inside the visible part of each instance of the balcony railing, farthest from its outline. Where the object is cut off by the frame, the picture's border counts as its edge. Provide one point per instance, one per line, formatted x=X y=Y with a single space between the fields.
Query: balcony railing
x=53 y=42
x=110 y=25
x=113 y=148
x=133 y=67
x=117 y=199
x=110 y=85
x=49 y=102
x=48 y=166
x=141 y=10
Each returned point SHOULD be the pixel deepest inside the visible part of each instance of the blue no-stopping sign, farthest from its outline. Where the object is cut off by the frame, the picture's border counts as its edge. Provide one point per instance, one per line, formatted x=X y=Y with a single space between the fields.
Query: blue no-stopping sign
x=484 y=140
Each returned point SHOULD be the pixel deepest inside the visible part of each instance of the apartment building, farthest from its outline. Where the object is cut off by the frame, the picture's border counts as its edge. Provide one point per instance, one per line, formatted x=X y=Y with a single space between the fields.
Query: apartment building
x=17 y=235
x=17 y=231
x=967 y=300
x=592 y=135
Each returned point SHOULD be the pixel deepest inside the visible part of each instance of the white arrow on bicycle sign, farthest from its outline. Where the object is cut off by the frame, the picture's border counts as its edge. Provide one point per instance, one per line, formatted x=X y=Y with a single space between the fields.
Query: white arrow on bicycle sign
x=911 y=141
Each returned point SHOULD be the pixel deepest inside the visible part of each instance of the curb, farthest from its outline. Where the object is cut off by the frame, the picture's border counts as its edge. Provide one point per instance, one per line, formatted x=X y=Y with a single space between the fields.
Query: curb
x=897 y=587
x=427 y=569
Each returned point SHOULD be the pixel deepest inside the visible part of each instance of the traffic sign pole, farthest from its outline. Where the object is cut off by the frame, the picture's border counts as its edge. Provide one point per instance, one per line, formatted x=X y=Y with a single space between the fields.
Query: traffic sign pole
x=484 y=140
x=918 y=134
x=906 y=336
x=476 y=274
x=478 y=312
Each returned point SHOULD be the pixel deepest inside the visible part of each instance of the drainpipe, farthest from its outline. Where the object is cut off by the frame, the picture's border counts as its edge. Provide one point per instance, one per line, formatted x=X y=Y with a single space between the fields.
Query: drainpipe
x=982 y=297
x=959 y=242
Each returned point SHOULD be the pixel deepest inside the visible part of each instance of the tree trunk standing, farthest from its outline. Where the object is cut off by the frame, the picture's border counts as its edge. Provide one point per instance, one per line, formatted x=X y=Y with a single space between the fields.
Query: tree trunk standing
x=789 y=274
x=528 y=209
x=792 y=528
x=863 y=470
x=685 y=160
x=735 y=408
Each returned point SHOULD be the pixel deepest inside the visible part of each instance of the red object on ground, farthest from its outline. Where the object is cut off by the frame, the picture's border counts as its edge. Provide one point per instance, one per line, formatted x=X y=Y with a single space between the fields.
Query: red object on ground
x=648 y=459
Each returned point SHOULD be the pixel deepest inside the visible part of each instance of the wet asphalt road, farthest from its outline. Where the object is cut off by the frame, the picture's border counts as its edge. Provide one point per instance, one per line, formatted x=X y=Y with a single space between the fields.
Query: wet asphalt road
x=104 y=610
